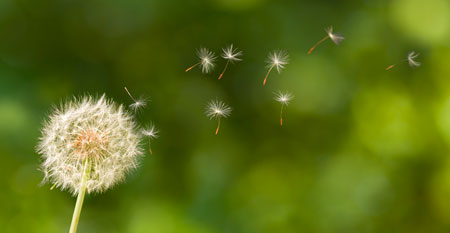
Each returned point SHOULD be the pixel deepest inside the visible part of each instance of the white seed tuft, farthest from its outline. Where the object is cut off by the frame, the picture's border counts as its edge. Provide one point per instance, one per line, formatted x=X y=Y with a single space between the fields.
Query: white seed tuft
x=138 y=104
x=217 y=109
x=335 y=37
x=283 y=97
x=231 y=54
x=150 y=132
x=277 y=59
x=207 y=59
x=411 y=56
x=92 y=131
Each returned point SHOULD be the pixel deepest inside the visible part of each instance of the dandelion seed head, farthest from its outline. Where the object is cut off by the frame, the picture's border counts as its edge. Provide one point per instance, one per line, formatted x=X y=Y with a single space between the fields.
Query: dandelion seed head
x=217 y=108
x=231 y=54
x=89 y=129
x=335 y=37
x=283 y=97
x=411 y=59
x=278 y=59
x=207 y=59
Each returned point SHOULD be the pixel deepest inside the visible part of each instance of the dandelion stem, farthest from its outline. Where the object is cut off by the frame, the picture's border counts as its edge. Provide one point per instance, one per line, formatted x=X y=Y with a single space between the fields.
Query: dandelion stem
x=226 y=66
x=80 y=198
x=126 y=89
x=318 y=43
x=218 y=125
x=190 y=68
x=390 y=67
x=149 y=147
x=267 y=75
x=281 y=115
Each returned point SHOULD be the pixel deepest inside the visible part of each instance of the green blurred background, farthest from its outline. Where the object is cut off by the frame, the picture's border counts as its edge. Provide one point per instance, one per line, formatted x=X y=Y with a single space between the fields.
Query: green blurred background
x=362 y=149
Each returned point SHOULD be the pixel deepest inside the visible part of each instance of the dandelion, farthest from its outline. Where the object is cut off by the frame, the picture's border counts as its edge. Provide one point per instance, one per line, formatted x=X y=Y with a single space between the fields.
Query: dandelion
x=411 y=60
x=335 y=37
x=150 y=132
x=276 y=59
x=138 y=103
x=217 y=109
x=88 y=145
x=206 y=61
x=231 y=55
x=284 y=99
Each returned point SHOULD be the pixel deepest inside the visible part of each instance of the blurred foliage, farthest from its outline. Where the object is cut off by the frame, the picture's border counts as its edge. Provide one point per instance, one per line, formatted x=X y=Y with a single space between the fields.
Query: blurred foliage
x=362 y=149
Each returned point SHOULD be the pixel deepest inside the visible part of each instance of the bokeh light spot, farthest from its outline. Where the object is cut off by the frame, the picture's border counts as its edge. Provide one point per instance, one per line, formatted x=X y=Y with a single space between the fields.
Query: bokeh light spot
x=440 y=191
x=428 y=21
x=317 y=90
x=386 y=122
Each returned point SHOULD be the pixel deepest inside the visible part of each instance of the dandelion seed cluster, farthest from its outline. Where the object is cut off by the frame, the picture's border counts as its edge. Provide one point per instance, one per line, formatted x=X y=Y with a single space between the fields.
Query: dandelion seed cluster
x=92 y=130
x=90 y=144
x=275 y=60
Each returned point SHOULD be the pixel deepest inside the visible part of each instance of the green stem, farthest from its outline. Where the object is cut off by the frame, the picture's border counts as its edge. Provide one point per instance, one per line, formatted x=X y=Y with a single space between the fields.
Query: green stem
x=80 y=198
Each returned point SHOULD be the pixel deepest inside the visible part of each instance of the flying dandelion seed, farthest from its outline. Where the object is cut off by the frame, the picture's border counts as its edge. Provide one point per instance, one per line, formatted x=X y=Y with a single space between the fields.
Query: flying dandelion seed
x=276 y=59
x=217 y=109
x=206 y=61
x=150 y=132
x=335 y=37
x=138 y=103
x=411 y=60
x=284 y=99
x=88 y=145
x=231 y=55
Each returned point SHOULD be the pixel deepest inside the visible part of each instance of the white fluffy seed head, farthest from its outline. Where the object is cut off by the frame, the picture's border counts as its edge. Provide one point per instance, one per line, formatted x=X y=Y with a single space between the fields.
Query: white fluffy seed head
x=231 y=54
x=92 y=130
x=335 y=37
x=283 y=97
x=217 y=109
x=277 y=59
x=207 y=59
x=411 y=59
